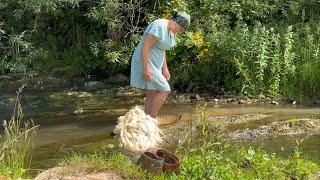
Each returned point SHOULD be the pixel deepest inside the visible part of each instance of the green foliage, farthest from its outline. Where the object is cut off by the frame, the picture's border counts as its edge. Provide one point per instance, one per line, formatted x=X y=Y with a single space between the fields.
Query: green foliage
x=252 y=47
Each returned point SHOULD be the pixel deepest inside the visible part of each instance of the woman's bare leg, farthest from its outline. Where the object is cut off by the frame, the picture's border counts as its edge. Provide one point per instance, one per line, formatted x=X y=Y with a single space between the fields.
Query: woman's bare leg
x=157 y=100
x=149 y=97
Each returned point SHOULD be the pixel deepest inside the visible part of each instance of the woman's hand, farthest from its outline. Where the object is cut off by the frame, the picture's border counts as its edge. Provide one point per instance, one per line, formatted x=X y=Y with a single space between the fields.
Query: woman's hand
x=166 y=74
x=147 y=73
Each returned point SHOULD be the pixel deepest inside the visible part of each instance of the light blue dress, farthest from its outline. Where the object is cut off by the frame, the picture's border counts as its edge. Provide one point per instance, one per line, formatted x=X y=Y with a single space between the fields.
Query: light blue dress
x=166 y=40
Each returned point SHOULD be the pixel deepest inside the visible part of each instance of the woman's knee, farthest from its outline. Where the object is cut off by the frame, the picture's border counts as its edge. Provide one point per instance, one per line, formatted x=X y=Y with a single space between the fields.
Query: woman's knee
x=150 y=92
x=165 y=93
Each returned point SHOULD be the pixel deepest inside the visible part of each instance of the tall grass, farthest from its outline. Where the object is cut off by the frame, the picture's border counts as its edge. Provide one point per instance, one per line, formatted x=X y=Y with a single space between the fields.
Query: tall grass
x=280 y=60
x=17 y=143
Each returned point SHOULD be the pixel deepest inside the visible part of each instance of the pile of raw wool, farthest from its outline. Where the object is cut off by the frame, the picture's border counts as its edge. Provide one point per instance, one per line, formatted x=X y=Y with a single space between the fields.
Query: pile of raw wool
x=138 y=131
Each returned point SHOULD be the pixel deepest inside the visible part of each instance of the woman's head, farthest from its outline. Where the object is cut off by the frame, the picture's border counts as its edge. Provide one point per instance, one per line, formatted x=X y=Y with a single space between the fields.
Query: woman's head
x=180 y=22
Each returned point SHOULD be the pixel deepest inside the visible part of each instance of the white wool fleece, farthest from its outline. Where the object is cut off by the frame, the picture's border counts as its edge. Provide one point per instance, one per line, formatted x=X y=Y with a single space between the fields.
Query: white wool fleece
x=138 y=131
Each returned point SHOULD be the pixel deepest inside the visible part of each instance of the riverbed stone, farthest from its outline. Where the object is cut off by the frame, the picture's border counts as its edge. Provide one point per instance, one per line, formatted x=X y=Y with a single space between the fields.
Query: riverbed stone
x=274 y=102
x=241 y=101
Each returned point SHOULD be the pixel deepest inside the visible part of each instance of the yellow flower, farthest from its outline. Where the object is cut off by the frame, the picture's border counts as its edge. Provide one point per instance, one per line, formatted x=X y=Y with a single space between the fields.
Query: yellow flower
x=175 y=2
x=197 y=39
x=197 y=34
x=166 y=13
x=194 y=39
x=204 y=53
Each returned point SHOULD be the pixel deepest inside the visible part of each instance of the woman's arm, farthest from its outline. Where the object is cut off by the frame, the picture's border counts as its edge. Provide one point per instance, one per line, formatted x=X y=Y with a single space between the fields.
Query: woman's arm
x=165 y=70
x=147 y=44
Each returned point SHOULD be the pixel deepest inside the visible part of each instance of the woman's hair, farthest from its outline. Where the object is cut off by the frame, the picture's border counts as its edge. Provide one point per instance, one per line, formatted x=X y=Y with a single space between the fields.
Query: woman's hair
x=182 y=18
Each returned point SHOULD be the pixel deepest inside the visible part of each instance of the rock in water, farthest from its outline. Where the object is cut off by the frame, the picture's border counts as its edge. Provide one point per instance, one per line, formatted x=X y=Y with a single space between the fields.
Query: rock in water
x=138 y=131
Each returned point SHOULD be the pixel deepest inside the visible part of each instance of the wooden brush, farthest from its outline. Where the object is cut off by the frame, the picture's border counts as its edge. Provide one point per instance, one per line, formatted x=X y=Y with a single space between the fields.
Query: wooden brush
x=168 y=118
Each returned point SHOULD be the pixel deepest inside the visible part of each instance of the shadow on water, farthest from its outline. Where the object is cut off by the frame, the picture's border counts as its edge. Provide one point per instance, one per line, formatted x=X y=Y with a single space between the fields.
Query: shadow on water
x=63 y=131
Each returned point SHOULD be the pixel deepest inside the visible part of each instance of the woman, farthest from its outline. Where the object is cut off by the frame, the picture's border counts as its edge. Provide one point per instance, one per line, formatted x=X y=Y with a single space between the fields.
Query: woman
x=149 y=70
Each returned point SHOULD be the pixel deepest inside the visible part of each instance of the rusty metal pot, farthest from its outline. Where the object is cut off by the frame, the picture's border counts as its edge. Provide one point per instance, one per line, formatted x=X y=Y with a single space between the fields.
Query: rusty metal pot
x=151 y=162
x=171 y=162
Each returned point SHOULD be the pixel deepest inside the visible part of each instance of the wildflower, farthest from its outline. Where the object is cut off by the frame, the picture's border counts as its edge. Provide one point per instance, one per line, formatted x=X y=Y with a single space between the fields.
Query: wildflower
x=204 y=53
x=166 y=13
x=175 y=2
x=197 y=39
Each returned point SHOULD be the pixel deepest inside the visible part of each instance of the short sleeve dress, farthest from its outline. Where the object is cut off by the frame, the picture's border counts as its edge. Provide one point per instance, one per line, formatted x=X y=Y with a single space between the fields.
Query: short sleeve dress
x=166 y=40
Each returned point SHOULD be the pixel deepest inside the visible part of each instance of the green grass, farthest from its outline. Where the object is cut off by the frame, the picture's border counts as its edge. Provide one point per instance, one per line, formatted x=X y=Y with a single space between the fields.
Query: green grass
x=100 y=161
x=205 y=162
x=246 y=163
x=16 y=144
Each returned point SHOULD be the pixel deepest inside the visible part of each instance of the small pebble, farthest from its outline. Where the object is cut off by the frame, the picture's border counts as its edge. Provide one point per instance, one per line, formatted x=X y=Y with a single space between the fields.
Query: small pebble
x=274 y=102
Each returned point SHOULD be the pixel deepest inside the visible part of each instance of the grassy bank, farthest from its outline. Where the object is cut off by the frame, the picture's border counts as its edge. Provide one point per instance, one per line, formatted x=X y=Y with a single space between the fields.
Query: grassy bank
x=206 y=162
